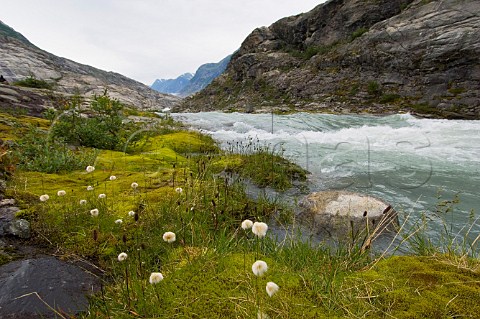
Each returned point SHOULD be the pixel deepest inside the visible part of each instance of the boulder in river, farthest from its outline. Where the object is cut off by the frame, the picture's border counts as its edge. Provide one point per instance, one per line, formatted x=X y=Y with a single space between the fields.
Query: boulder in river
x=347 y=215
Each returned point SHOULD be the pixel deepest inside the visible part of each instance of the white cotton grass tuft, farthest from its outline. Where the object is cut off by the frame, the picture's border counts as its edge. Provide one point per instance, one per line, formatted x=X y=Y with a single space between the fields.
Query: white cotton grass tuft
x=83 y=201
x=247 y=224
x=134 y=185
x=169 y=237
x=89 y=188
x=90 y=169
x=94 y=212
x=271 y=288
x=119 y=221
x=122 y=256
x=179 y=190
x=155 y=277
x=61 y=193
x=131 y=213
x=102 y=196
x=259 y=268
x=259 y=229
x=262 y=315
x=44 y=198
x=113 y=177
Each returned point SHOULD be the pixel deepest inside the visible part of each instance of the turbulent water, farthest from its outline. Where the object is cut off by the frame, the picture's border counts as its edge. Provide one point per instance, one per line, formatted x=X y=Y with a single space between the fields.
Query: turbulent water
x=411 y=163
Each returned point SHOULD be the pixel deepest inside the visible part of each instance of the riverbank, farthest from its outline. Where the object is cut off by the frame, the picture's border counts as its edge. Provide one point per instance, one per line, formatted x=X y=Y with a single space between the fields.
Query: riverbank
x=168 y=183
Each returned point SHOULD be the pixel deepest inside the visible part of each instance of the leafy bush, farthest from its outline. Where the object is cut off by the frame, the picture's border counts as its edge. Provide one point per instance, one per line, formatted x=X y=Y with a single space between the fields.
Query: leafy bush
x=33 y=82
x=358 y=33
x=37 y=152
x=104 y=128
x=373 y=88
x=389 y=98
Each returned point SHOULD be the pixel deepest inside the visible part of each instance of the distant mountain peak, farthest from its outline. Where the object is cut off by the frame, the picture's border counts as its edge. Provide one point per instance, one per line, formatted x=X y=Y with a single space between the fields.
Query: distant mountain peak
x=188 y=83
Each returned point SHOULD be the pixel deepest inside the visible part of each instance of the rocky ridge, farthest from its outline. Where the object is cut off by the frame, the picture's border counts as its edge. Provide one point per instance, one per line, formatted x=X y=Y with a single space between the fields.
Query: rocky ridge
x=358 y=56
x=19 y=59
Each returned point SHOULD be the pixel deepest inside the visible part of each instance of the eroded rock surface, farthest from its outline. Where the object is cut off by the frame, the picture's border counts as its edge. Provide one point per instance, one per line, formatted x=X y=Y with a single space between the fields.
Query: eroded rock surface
x=358 y=56
x=347 y=215
x=28 y=286
x=20 y=59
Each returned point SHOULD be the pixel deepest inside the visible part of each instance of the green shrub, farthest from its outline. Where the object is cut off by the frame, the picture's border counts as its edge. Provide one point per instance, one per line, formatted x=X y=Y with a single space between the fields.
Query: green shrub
x=374 y=88
x=389 y=98
x=37 y=152
x=358 y=33
x=104 y=128
x=33 y=82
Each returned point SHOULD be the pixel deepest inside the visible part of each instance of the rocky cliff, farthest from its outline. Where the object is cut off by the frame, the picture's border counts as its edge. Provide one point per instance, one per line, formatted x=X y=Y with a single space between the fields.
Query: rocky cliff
x=358 y=56
x=19 y=59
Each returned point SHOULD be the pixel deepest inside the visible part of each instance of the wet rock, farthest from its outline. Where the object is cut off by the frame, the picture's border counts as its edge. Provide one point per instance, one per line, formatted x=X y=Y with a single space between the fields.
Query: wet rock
x=26 y=286
x=19 y=228
x=7 y=202
x=346 y=215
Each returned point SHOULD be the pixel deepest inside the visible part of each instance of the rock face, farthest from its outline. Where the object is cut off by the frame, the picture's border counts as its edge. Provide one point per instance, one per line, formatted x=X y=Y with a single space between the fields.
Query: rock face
x=346 y=215
x=19 y=59
x=358 y=56
x=26 y=285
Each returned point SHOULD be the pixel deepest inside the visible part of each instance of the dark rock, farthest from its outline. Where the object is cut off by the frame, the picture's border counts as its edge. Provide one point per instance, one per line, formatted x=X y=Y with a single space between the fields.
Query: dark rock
x=19 y=228
x=26 y=286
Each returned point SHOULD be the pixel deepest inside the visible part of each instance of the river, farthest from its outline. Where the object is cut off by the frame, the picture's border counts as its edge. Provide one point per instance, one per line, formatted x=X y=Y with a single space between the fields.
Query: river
x=411 y=163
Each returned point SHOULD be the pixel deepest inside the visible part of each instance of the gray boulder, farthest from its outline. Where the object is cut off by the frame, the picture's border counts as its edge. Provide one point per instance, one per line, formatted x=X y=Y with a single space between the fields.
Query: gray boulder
x=346 y=215
x=19 y=228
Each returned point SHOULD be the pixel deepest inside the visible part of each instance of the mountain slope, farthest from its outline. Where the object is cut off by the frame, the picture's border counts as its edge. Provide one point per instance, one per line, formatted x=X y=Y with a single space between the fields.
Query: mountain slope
x=358 y=56
x=20 y=59
x=172 y=86
x=205 y=74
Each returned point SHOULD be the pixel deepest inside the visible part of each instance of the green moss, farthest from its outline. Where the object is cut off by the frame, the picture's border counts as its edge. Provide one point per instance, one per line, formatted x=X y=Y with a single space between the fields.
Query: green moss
x=418 y=287
x=181 y=142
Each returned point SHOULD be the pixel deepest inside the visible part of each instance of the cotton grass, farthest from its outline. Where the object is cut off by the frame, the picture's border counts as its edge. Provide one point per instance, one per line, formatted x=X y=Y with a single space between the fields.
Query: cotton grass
x=155 y=277
x=259 y=229
x=44 y=198
x=247 y=224
x=61 y=193
x=259 y=268
x=90 y=169
x=271 y=288
x=94 y=212
x=169 y=237
x=122 y=256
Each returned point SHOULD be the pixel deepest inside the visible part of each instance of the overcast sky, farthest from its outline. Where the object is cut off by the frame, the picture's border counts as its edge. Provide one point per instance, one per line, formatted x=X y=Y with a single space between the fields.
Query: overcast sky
x=144 y=39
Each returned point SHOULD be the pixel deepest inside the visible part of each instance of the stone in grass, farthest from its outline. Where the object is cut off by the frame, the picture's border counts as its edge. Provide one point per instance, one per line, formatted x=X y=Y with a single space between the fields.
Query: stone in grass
x=19 y=228
x=347 y=215
x=27 y=286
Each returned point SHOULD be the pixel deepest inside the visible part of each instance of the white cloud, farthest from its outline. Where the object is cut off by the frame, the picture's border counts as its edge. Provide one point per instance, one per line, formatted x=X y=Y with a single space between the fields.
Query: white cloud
x=144 y=39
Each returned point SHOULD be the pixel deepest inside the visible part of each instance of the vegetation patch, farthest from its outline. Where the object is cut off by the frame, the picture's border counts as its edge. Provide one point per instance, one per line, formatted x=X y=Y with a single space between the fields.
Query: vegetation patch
x=32 y=82
x=417 y=287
